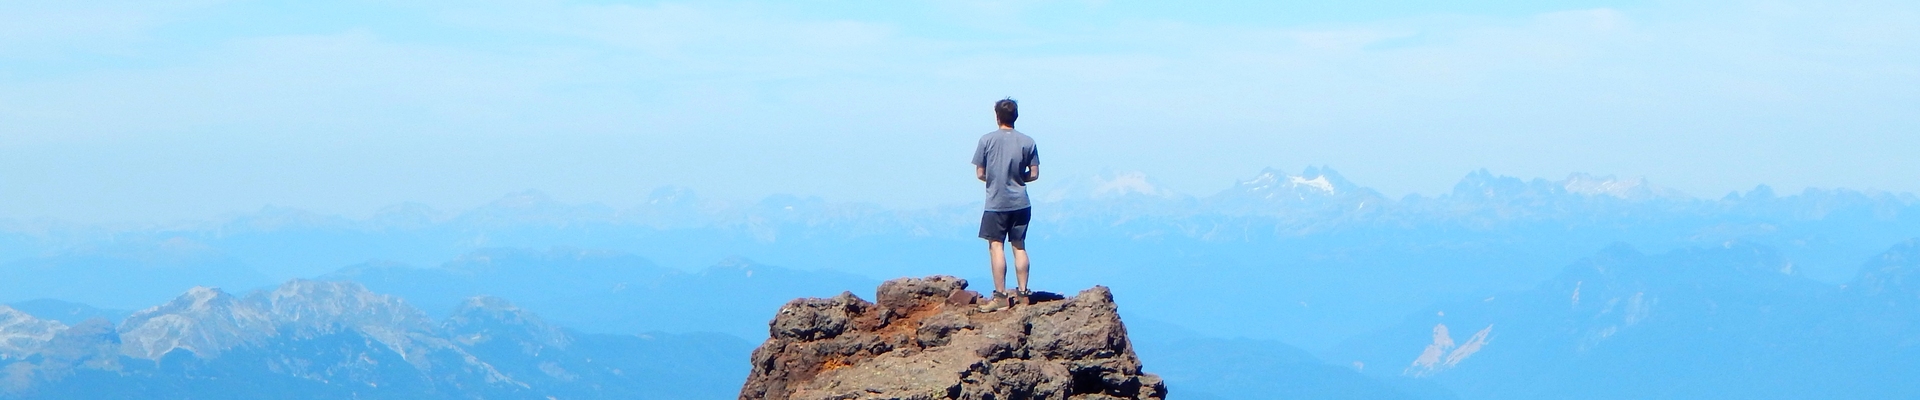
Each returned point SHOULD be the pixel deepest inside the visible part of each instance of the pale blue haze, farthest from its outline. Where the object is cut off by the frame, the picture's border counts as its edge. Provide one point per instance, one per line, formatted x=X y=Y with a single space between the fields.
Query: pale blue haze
x=203 y=108
x=602 y=199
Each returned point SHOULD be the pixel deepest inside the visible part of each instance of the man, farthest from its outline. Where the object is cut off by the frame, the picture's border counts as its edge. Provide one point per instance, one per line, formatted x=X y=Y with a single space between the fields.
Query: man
x=1006 y=160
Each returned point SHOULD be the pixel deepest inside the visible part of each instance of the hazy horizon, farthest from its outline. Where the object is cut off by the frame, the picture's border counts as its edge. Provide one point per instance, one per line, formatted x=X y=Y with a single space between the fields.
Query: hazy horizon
x=172 y=110
x=1122 y=181
x=1391 y=199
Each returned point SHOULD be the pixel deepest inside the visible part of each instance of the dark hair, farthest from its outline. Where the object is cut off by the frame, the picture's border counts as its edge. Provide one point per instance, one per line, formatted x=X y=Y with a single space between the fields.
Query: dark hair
x=1006 y=110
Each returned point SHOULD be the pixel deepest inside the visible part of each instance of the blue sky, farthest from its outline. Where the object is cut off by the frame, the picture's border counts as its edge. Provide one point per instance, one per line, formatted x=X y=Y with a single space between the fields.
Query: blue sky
x=158 y=110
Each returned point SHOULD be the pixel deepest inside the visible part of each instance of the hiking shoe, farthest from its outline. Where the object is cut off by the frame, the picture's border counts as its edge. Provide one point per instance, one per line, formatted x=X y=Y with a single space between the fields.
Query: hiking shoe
x=1000 y=301
x=1022 y=297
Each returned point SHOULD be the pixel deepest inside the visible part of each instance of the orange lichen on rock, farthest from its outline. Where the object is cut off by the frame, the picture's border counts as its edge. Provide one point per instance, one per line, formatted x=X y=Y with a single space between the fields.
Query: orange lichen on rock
x=923 y=339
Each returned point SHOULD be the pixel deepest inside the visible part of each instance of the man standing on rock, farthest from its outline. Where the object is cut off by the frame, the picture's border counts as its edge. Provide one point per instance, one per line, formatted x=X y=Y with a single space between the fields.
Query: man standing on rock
x=1006 y=160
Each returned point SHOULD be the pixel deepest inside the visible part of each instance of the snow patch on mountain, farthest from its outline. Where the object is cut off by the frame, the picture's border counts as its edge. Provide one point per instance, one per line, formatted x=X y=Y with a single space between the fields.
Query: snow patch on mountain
x=1313 y=186
x=1134 y=182
x=1318 y=182
x=1106 y=185
x=1635 y=188
x=1274 y=185
x=1444 y=354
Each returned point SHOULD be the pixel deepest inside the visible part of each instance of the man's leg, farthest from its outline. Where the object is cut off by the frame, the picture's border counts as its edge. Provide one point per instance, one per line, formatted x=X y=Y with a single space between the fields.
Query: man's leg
x=1020 y=262
x=999 y=263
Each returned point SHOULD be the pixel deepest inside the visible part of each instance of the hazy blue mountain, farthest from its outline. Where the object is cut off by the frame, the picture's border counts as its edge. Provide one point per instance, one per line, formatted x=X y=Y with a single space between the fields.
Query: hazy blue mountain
x=311 y=339
x=604 y=291
x=1314 y=199
x=1201 y=367
x=64 y=312
x=124 y=274
x=22 y=334
x=1323 y=257
x=1729 y=321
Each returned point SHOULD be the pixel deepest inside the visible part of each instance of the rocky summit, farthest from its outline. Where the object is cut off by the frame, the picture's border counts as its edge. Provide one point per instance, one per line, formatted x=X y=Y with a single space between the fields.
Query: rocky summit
x=927 y=339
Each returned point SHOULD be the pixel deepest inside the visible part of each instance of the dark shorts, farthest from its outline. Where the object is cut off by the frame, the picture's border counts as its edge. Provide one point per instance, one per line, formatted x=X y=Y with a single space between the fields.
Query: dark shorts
x=1005 y=226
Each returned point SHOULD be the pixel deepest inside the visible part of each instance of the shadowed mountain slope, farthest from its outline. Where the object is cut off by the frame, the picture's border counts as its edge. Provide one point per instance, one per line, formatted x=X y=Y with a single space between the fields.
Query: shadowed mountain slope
x=1730 y=321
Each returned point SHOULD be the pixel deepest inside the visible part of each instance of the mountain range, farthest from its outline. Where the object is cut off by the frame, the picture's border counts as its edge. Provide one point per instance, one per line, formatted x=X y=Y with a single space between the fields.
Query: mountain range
x=1312 y=247
x=1305 y=275
x=1728 y=321
x=605 y=291
x=1734 y=320
x=329 y=340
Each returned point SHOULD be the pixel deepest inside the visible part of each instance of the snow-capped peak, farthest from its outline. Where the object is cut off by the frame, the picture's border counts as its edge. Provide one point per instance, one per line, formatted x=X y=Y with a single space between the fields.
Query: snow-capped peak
x=1101 y=186
x=1122 y=184
x=1272 y=184
x=1318 y=182
x=1630 y=188
x=1601 y=185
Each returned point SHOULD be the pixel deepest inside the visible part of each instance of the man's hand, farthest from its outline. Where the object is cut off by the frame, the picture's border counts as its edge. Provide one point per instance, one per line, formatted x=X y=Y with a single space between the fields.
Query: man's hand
x=980 y=172
x=1033 y=173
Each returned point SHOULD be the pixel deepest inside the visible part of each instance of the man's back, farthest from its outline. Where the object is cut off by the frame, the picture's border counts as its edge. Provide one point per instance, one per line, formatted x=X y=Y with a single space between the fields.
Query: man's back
x=1006 y=155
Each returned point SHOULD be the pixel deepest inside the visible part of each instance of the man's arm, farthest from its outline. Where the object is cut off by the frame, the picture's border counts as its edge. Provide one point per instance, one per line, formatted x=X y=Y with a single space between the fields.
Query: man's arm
x=1033 y=162
x=980 y=172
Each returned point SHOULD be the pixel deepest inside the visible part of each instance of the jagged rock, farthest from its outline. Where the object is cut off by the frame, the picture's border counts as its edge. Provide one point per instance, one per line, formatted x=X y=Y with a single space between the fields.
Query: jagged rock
x=926 y=340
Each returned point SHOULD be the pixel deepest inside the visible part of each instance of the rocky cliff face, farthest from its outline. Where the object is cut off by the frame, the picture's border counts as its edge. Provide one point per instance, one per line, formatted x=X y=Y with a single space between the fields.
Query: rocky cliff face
x=925 y=339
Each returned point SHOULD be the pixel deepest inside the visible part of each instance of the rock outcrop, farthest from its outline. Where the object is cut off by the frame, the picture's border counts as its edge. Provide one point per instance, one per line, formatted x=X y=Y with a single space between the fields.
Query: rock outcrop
x=926 y=339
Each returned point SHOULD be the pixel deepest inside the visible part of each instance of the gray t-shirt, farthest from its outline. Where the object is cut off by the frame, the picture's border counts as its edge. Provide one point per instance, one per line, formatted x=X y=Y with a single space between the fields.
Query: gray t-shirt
x=1006 y=154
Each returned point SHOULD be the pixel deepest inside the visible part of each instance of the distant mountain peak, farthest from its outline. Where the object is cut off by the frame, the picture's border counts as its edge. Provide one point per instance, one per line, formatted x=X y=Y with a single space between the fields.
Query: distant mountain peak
x=267 y=345
x=202 y=296
x=22 y=334
x=208 y=321
x=205 y=321
x=1105 y=185
x=1537 y=195
x=1124 y=183
x=484 y=319
x=320 y=307
x=1483 y=184
x=1893 y=276
x=1315 y=181
x=1635 y=188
